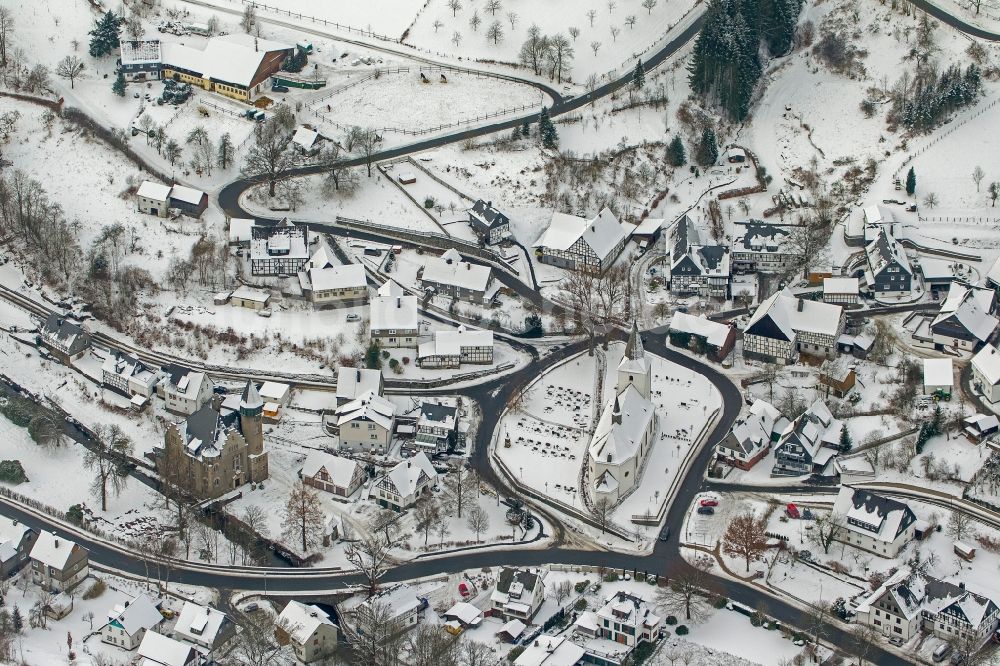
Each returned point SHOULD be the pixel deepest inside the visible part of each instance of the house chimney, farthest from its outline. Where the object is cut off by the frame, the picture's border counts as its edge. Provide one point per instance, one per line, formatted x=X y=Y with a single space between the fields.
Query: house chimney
x=56 y=542
x=801 y=304
x=358 y=378
x=468 y=267
x=399 y=303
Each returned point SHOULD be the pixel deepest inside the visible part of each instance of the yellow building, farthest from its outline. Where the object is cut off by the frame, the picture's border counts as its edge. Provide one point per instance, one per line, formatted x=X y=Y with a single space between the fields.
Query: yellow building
x=236 y=66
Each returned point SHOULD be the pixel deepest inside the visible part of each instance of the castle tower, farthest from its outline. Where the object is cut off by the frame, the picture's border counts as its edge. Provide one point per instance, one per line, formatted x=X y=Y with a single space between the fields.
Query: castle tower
x=634 y=368
x=251 y=419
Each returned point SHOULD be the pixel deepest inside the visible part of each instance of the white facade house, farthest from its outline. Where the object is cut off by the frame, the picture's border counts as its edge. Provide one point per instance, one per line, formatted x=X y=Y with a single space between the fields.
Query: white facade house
x=518 y=594
x=873 y=523
x=308 y=629
x=841 y=290
x=394 y=318
x=986 y=373
x=752 y=436
x=401 y=606
x=404 y=484
x=966 y=318
x=548 y=650
x=939 y=376
x=763 y=247
x=450 y=349
x=184 y=391
x=330 y=283
x=208 y=628
x=579 y=244
x=127 y=375
x=159 y=650
x=365 y=424
x=352 y=383
x=783 y=325
x=450 y=275
x=624 y=432
x=618 y=627
x=128 y=622
x=153 y=198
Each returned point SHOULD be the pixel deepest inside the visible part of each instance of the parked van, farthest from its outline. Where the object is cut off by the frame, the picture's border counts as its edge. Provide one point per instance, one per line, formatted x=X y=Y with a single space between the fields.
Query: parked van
x=941 y=652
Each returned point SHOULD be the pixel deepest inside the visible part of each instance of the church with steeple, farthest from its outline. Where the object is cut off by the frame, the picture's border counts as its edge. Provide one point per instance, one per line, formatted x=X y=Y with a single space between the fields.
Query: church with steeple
x=218 y=448
x=624 y=433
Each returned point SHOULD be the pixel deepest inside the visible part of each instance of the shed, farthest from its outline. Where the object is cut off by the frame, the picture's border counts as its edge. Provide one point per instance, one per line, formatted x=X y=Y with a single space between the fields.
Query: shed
x=248 y=297
x=735 y=155
x=407 y=178
x=939 y=377
x=965 y=551
x=980 y=426
x=511 y=631
x=188 y=200
x=153 y=198
x=306 y=140
x=276 y=392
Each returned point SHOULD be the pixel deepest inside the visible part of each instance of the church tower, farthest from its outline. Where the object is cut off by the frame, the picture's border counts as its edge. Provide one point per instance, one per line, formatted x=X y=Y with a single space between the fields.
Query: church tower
x=634 y=368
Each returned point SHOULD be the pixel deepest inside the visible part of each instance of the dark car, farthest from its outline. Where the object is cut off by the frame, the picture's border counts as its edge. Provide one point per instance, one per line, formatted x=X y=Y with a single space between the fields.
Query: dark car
x=281 y=89
x=706 y=510
x=664 y=534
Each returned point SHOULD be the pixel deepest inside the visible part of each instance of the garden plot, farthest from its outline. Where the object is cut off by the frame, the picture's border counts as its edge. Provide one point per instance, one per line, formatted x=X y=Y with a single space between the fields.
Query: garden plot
x=448 y=209
x=398 y=105
x=614 y=50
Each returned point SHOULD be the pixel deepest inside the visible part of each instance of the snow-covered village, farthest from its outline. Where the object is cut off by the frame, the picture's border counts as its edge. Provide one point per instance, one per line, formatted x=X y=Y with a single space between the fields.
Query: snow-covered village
x=499 y=332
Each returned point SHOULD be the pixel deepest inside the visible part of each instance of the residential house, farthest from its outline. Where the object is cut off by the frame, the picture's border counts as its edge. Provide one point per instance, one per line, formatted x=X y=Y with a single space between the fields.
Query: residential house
x=576 y=243
x=624 y=434
x=938 y=274
x=159 y=650
x=980 y=426
x=437 y=427
x=762 y=247
x=279 y=250
x=449 y=275
x=986 y=373
x=308 y=629
x=909 y=603
x=783 y=325
x=404 y=484
x=153 y=198
x=235 y=65
x=16 y=542
x=394 y=318
x=841 y=290
x=873 y=523
x=402 y=608
x=58 y=564
x=548 y=650
x=838 y=379
x=184 y=391
x=808 y=443
x=128 y=622
x=518 y=594
x=889 y=271
x=127 y=375
x=250 y=298
x=365 y=425
x=352 y=383
x=751 y=437
x=140 y=60
x=966 y=318
x=188 y=200
x=624 y=622
x=334 y=474
x=696 y=268
x=241 y=231
x=218 y=448
x=490 y=225
x=330 y=283
x=208 y=628
x=702 y=335
x=275 y=394
x=67 y=341
x=939 y=377
x=450 y=349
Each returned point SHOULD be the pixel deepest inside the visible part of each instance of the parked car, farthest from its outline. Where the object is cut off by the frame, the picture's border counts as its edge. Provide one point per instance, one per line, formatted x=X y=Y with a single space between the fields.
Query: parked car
x=941 y=652
x=709 y=501
x=706 y=510
x=896 y=640
x=353 y=317
x=664 y=534
x=279 y=89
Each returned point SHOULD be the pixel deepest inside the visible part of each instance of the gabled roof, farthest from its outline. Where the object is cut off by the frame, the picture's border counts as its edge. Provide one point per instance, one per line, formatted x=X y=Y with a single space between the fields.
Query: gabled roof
x=463 y=274
x=65 y=332
x=487 y=215
x=230 y=59
x=186 y=194
x=393 y=312
x=323 y=258
x=760 y=237
x=841 y=285
x=200 y=623
x=602 y=233
x=714 y=333
x=622 y=425
x=340 y=470
x=450 y=343
x=141 y=52
x=52 y=551
x=159 y=649
x=183 y=380
x=301 y=621
x=465 y=613
x=782 y=315
x=987 y=361
x=878 y=517
x=155 y=191
x=970 y=308
x=305 y=137
x=886 y=250
x=548 y=650
x=349 y=276
x=757 y=429
x=136 y=614
x=353 y=382
x=410 y=474
x=370 y=407
x=204 y=432
x=11 y=534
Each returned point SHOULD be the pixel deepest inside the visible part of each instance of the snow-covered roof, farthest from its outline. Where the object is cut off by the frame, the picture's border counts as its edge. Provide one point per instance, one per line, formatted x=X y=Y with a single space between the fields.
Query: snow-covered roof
x=971 y=308
x=353 y=382
x=199 y=623
x=301 y=621
x=51 y=550
x=602 y=233
x=142 y=52
x=757 y=429
x=513 y=628
x=465 y=613
x=458 y=273
x=274 y=391
x=982 y=422
x=231 y=58
x=987 y=362
x=183 y=381
x=714 y=333
x=885 y=250
x=286 y=240
x=340 y=470
x=621 y=428
x=450 y=343
x=11 y=533
x=649 y=226
x=250 y=294
x=390 y=288
x=186 y=194
x=349 y=276
x=875 y=516
x=933 y=268
x=628 y=609
x=305 y=137
x=136 y=614
x=155 y=191
x=406 y=476
x=239 y=229
x=487 y=215
x=548 y=650
x=397 y=313
x=791 y=315
x=759 y=237
x=938 y=372
x=841 y=285
x=399 y=601
x=159 y=649
x=368 y=406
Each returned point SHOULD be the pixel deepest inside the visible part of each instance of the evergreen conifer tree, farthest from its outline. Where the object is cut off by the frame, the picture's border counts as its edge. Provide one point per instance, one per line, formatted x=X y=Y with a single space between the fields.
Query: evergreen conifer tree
x=845 y=439
x=676 y=155
x=547 y=130
x=118 y=87
x=911 y=181
x=104 y=36
x=17 y=620
x=526 y=129
x=639 y=76
x=708 y=149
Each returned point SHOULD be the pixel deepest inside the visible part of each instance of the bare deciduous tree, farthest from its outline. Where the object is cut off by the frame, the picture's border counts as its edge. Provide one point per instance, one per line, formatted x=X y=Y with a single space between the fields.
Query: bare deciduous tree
x=304 y=518
x=959 y=526
x=495 y=32
x=268 y=156
x=686 y=592
x=828 y=528
x=745 y=537
x=369 y=556
x=478 y=521
x=455 y=6
x=108 y=457
x=462 y=485
x=70 y=68
x=602 y=512
x=977 y=176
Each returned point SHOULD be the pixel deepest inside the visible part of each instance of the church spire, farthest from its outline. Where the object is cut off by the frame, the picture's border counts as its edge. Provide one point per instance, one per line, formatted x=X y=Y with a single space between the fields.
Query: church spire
x=633 y=349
